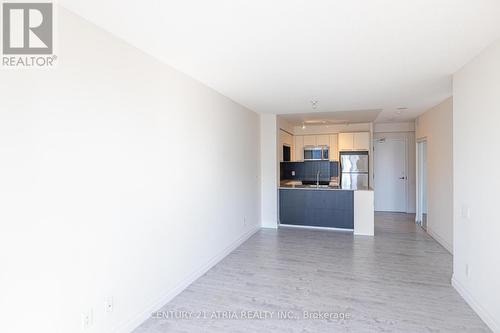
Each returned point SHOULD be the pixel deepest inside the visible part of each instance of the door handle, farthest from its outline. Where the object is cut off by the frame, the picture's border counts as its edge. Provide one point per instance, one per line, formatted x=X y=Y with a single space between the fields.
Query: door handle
x=401 y=177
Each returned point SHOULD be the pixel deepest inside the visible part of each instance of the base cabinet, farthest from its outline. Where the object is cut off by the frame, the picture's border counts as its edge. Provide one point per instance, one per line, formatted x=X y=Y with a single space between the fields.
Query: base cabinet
x=317 y=208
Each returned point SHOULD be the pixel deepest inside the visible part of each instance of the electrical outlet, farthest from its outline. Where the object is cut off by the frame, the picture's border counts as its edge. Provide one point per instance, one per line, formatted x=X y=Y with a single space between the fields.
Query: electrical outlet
x=87 y=320
x=293 y=173
x=467 y=270
x=244 y=220
x=465 y=212
x=108 y=305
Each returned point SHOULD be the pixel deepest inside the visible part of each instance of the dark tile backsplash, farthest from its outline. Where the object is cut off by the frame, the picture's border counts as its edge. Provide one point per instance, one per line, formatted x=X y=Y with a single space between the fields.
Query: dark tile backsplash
x=334 y=169
x=308 y=170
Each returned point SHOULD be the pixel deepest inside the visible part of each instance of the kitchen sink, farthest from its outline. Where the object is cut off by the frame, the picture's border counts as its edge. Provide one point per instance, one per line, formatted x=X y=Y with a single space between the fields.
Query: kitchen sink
x=313 y=182
x=313 y=186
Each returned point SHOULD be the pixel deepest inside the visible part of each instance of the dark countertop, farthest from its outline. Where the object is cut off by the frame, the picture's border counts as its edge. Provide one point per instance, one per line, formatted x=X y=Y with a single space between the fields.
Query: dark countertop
x=297 y=185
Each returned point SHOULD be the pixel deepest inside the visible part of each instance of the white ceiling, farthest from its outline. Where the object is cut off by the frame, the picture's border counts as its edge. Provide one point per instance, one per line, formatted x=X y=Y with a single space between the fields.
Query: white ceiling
x=276 y=56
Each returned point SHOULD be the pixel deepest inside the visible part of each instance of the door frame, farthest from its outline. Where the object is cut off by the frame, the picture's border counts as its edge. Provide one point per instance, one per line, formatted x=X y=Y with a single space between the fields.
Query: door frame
x=406 y=167
x=419 y=178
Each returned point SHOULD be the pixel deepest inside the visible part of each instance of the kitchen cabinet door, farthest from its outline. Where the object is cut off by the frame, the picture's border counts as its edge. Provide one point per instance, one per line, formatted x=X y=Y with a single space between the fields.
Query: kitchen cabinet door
x=346 y=141
x=362 y=141
x=334 y=147
x=322 y=140
x=298 y=148
x=309 y=140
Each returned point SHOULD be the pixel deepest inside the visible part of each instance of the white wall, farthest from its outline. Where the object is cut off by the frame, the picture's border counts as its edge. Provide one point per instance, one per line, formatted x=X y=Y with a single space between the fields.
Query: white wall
x=476 y=119
x=119 y=176
x=393 y=127
x=269 y=170
x=285 y=125
x=436 y=125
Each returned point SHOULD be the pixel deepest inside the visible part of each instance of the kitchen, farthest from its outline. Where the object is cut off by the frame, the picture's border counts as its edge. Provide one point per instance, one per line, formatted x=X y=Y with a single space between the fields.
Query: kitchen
x=325 y=176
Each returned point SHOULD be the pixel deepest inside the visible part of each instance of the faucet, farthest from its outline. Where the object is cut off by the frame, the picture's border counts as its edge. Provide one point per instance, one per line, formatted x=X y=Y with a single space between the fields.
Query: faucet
x=317 y=178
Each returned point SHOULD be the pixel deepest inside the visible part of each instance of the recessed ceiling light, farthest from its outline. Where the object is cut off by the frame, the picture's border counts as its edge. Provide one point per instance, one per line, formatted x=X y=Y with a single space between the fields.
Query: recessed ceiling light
x=303 y=126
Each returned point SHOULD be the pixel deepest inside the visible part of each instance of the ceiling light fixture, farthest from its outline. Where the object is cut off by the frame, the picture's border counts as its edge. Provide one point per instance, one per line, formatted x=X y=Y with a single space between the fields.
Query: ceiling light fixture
x=314 y=104
x=400 y=110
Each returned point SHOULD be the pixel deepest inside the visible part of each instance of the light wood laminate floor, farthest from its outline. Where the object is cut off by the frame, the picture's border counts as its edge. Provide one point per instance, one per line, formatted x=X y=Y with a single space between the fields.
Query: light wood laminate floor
x=398 y=281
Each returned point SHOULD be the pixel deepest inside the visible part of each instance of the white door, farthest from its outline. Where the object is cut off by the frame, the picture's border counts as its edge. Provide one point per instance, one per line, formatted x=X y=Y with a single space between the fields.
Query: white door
x=390 y=175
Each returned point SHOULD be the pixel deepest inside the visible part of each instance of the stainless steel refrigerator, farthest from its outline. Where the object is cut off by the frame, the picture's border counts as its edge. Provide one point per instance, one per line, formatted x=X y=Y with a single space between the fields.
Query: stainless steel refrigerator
x=354 y=169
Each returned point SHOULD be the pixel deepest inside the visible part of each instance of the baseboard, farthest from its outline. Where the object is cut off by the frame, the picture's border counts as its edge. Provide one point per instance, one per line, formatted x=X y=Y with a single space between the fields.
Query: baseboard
x=440 y=240
x=269 y=225
x=480 y=310
x=168 y=295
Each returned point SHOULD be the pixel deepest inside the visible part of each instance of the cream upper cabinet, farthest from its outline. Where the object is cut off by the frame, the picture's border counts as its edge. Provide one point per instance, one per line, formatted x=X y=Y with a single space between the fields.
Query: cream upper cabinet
x=298 y=148
x=362 y=141
x=334 y=147
x=322 y=140
x=346 y=141
x=309 y=140
x=354 y=141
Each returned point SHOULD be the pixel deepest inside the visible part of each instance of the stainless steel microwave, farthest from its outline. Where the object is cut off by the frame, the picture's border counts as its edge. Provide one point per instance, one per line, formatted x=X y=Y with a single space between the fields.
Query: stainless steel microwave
x=316 y=153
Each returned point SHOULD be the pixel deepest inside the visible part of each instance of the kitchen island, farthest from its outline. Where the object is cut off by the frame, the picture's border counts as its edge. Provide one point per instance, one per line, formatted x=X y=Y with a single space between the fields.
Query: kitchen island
x=327 y=206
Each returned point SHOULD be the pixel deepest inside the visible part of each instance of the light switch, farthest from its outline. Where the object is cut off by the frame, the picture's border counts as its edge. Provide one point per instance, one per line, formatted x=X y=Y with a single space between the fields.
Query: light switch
x=293 y=173
x=465 y=212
